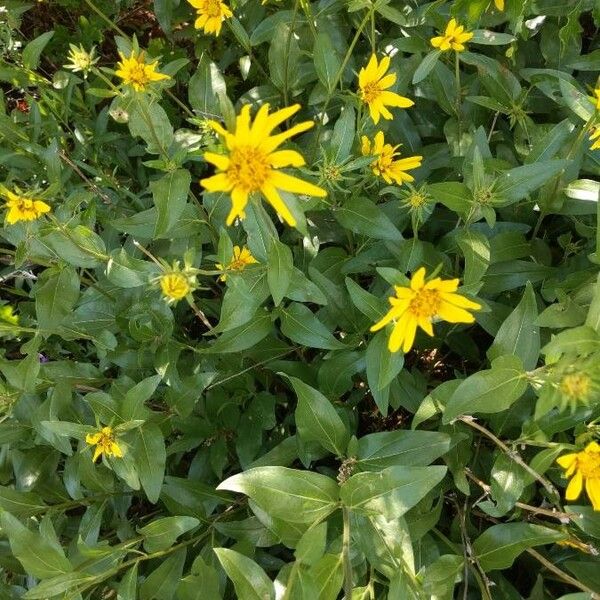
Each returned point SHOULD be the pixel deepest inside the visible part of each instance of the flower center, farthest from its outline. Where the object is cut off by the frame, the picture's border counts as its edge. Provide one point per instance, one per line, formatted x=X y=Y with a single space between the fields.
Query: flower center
x=575 y=386
x=174 y=286
x=371 y=91
x=248 y=168
x=27 y=204
x=588 y=463
x=384 y=161
x=137 y=74
x=213 y=8
x=417 y=199
x=425 y=303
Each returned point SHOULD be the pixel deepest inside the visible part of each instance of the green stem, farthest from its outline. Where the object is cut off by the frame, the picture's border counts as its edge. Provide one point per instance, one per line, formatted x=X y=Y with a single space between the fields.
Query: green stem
x=348 y=584
x=338 y=75
x=106 y=19
x=458 y=99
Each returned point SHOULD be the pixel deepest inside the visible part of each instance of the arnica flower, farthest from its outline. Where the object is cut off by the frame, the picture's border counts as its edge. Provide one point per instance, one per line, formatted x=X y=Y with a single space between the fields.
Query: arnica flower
x=105 y=443
x=499 y=4
x=583 y=467
x=454 y=38
x=7 y=315
x=421 y=303
x=596 y=98
x=175 y=286
x=386 y=165
x=211 y=14
x=251 y=163
x=22 y=208
x=80 y=60
x=136 y=72
x=242 y=257
x=373 y=84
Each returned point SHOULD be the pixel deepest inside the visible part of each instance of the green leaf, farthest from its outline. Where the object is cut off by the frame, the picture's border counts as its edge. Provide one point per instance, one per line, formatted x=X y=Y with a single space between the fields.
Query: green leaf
x=519 y=335
x=401 y=448
x=280 y=266
x=369 y=305
x=327 y=62
x=161 y=584
x=134 y=399
x=302 y=326
x=518 y=183
x=317 y=420
x=498 y=546
x=204 y=87
x=382 y=365
x=593 y=317
x=328 y=576
x=249 y=580
x=242 y=338
x=288 y=494
x=491 y=38
x=284 y=54
x=390 y=492
x=149 y=121
x=170 y=197
x=342 y=138
x=488 y=391
x=22 y=504
x=56 y=293
x=125 y=271
x=148 y=451
x=425 y=66
x=360 y=215
x=39 y=557
x=452 y=194
x=476 y=250
x=162 y=533
x=579 y=340
x=312 y=544
x=33 y=50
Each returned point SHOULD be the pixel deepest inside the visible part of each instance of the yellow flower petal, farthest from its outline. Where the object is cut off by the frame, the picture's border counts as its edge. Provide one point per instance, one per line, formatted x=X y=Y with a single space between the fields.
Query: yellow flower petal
x=575 y=486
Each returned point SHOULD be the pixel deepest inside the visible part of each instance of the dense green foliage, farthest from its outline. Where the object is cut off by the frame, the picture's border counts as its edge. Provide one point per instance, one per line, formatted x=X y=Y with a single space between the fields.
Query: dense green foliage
x=254 y=438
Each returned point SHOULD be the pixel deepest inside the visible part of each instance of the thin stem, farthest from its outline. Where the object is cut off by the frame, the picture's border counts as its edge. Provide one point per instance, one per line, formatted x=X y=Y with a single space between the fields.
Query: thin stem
x=338 y=75
x=561 y=574
x=458 y=99
x=348 y=584
x=512 y=455
x=108 y=21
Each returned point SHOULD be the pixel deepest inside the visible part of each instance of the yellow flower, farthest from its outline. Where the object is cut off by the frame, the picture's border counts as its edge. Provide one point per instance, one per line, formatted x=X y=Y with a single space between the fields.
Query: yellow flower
x=242 y=257
x=385 y=165
x=596 y=98
x=595 y=136
x=583 y=467
x=105 y=443
x=251 y=163
x=576 y=386
x=211 y=14
x=499 y=4
x=419 y=304
x=134 y=71
x=80 y=59
x=21 y=208
x=454 y=38
x=7 y=315
x=175 y=286
x=373 y=84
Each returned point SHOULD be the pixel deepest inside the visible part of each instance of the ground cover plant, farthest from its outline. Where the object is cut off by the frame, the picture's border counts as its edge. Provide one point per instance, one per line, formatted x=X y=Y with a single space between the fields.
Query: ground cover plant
x=299 y=300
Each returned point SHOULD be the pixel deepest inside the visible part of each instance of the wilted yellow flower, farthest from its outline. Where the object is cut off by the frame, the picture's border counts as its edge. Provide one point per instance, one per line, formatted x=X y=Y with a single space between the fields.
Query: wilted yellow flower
x=134 y=71
x=105 y=443
x=386 y=165
x=454 y=38
x=211 y=14
x=7 y=314
x=583 y=467
x=22 y=208
x=175 y=286
x=80 y=59
x=421 y=303
x=242 y=257
x=373 y=84
x=251 y=164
